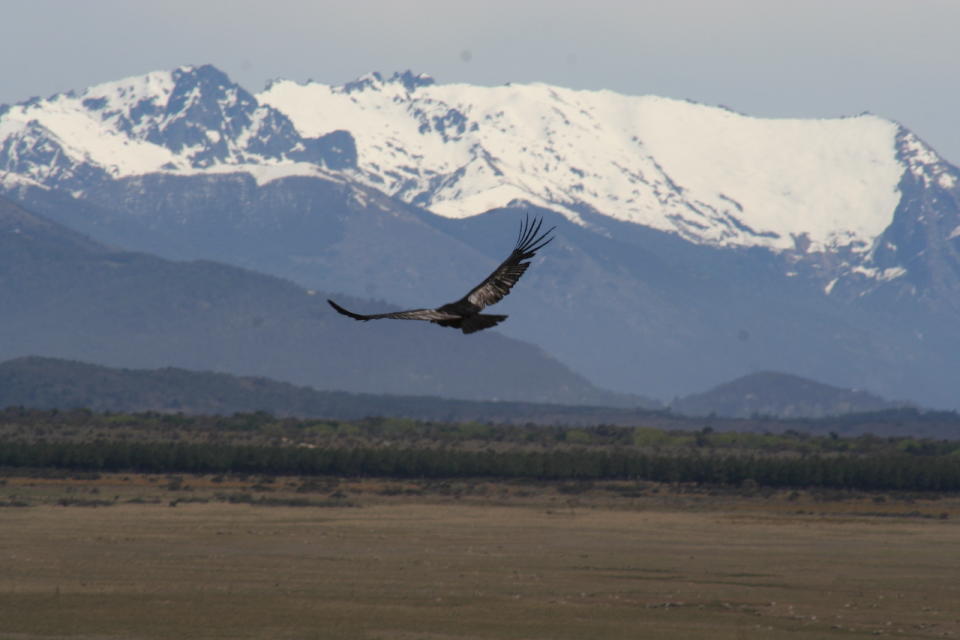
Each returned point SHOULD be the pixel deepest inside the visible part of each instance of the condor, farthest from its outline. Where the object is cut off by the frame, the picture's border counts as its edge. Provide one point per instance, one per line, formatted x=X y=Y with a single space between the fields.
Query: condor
x=464 y=314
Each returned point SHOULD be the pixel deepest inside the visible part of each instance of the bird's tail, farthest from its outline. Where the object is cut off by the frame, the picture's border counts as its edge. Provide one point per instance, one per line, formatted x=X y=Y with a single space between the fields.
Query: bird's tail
x=480 y=321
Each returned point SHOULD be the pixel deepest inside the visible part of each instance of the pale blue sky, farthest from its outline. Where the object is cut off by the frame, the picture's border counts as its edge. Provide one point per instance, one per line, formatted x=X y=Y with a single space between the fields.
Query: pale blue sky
x=794 y=58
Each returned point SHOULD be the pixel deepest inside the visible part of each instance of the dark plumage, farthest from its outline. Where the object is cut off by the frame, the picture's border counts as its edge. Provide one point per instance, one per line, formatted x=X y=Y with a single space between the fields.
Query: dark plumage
x=464 y=314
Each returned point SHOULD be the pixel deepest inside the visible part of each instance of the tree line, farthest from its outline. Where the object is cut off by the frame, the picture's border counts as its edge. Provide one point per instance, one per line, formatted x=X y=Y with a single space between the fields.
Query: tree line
x=881 y=472
x=260 y=427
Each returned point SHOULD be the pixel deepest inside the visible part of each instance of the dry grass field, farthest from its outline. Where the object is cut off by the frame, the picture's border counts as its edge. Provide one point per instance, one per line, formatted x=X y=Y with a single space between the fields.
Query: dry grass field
x=201 y=557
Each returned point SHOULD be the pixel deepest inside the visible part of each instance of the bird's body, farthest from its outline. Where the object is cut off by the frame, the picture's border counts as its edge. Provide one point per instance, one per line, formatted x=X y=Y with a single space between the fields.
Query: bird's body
x=464 y=314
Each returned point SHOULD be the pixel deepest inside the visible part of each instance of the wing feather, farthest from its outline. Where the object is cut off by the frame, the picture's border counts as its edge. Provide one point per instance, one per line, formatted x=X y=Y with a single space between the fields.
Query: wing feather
x=501 y=281
x=430 y=315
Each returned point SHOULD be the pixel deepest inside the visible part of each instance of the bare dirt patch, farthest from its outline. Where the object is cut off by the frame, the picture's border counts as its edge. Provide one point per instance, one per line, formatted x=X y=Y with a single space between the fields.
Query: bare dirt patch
x=468 y=560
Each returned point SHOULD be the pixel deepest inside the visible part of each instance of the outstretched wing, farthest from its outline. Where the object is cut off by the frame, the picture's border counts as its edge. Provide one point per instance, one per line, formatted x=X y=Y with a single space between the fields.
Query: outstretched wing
x=431 y=315
x=499 y=283
x=463 y=314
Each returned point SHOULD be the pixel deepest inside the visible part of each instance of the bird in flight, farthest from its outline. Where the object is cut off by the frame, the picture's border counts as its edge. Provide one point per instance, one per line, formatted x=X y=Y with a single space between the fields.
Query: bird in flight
x=464 y=314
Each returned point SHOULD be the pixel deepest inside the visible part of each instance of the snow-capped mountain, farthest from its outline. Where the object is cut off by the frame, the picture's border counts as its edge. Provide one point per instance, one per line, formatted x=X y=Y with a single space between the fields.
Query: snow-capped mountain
x=695 y=244
x=709 y=174
x=826 y=192
x=184 y=121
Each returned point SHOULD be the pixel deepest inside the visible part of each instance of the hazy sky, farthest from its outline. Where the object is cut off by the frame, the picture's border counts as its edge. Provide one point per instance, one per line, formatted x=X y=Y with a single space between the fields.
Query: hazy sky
x=792 y=58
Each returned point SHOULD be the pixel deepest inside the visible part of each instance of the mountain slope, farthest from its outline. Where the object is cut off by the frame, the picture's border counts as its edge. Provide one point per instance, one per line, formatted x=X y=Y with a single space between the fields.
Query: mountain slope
x=66 y=296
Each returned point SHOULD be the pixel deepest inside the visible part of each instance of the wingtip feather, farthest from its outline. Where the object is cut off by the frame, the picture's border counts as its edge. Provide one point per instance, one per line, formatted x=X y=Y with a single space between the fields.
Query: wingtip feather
x=342 y=311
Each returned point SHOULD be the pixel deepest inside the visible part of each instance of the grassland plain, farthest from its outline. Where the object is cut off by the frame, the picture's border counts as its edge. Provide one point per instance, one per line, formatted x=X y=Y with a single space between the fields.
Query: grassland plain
x=134 y=556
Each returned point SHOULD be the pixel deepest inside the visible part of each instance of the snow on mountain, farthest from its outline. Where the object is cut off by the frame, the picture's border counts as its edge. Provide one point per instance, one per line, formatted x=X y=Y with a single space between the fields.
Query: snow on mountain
x=809 y=188
x=188 y=120
x=711 y=175
x=924 y=163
